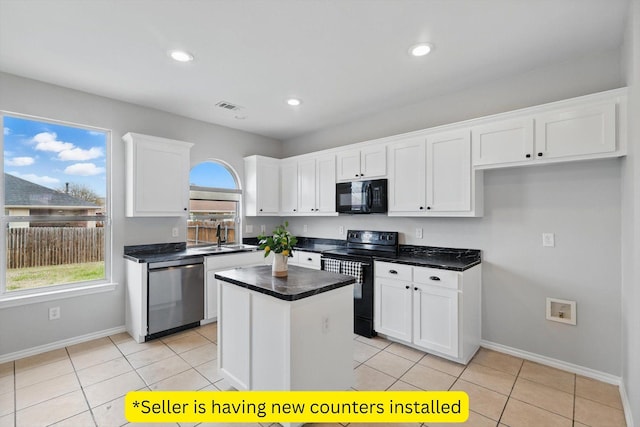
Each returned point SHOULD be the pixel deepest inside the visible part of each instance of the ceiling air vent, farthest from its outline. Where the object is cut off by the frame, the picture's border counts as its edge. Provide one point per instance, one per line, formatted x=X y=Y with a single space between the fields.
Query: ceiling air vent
x=228 y=106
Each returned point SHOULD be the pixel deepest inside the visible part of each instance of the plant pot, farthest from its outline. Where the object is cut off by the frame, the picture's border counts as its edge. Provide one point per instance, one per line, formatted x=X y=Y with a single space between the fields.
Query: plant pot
x=279 y=267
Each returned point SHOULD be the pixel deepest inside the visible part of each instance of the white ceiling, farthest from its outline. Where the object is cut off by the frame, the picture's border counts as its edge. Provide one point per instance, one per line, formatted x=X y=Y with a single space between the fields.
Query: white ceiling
x=344 y=58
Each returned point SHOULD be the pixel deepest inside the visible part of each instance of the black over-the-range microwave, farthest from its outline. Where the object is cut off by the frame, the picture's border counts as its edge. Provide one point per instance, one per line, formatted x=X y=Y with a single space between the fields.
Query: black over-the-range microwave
x=361 y=197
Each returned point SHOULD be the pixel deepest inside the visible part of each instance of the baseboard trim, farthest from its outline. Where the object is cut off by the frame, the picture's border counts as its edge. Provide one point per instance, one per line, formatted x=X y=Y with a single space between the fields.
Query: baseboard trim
x=554 y=363
x=60 y=344
x=626 y=405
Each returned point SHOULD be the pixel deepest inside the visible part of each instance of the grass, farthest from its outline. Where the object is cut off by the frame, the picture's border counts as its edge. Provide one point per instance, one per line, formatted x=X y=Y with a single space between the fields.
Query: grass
x=36 y=277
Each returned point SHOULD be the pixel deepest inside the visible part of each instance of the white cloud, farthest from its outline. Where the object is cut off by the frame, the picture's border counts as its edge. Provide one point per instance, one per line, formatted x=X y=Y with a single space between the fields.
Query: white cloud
x=42 y=180
x=7 y=131
x=80 y=154
x=19 y=161
x=47 y=141
x=84 y=169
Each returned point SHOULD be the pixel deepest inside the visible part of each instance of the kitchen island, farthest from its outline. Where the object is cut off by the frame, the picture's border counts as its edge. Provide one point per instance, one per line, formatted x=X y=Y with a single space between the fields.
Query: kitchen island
x=285 y=333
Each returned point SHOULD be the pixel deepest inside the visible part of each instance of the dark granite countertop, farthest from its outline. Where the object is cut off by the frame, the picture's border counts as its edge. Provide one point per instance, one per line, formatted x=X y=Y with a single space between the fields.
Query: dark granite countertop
x=308 y=244
x=443 y=258
x=160 y=252
x=300 y=283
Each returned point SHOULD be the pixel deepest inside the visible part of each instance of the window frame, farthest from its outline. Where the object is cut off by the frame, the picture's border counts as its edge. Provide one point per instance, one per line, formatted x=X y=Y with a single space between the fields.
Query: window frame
x=222 y=194
x=63 y=290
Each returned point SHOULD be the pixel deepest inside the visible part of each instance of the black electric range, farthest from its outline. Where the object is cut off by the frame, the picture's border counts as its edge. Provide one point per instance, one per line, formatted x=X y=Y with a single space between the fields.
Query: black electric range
x=361 y=248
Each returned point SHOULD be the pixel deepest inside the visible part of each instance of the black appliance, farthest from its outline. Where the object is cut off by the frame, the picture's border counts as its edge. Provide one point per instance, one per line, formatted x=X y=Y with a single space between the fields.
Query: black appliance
x=362 y=197
x=361 y=248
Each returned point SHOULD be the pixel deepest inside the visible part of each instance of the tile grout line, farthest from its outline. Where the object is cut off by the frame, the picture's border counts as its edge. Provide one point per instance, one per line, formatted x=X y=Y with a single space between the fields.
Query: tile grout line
x=84 y=395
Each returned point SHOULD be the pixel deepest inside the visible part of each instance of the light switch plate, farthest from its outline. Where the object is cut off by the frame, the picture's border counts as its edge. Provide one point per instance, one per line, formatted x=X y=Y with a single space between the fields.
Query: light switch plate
x=305 y=228
x=174 y=232
x=249 y=228
x=263 y=229
x=419 y=233
x=341 y=230
x=548 y=240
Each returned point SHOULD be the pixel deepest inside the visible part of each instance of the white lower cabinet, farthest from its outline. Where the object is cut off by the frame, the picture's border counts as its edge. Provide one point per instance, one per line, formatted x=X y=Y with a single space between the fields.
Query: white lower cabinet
x=306 y=259
x=217 y=263
x=434 y=310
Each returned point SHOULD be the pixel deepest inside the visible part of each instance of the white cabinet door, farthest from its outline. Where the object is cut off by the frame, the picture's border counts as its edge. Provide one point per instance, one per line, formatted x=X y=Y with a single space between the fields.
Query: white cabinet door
x=348 y=165
x=578 y=131
x=392 y=308
x=365 y=163
x=373 y=162
x=288 y=187
x=407 y=168
x=326 y=184
x=435 y=323
x=509 y=141
x=307 y=185
x=449 y=172
x=157 y=176
x=262 y=186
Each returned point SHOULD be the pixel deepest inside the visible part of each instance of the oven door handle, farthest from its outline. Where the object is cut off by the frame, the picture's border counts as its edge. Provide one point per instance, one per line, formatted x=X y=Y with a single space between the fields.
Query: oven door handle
x=369 y=198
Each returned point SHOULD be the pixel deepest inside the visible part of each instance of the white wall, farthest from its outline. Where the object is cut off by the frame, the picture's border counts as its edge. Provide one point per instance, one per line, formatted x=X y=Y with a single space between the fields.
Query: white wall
x=580 y=202
x=631 y=220
x=28 y=326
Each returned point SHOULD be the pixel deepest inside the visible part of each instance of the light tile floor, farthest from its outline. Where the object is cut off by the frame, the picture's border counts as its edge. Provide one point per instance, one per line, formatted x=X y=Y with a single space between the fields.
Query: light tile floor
x=84 y=385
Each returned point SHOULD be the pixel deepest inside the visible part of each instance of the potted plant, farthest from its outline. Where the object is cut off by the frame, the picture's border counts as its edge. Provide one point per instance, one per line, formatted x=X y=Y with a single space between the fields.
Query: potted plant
x=281 y=243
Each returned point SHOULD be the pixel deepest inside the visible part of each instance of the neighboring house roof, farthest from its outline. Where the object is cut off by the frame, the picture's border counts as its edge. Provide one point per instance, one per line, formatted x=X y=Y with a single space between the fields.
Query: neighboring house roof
x=20 y=192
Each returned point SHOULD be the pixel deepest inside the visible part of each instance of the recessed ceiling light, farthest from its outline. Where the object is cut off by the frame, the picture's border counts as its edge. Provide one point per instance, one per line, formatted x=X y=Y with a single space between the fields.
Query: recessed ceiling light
x=181 y=55
x=294 y=102
x=421 y=49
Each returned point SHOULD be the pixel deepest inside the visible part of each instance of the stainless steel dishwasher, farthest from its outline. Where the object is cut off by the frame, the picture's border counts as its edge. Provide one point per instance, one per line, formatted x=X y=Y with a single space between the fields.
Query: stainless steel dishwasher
x=175 y=296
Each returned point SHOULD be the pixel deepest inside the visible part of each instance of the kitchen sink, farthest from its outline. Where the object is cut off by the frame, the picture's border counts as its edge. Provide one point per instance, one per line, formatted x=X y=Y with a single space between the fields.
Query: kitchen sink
x=213 y=249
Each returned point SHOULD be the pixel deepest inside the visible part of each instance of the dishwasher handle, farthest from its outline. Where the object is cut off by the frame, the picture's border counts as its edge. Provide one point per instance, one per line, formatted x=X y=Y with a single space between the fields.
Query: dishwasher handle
x=176 y=263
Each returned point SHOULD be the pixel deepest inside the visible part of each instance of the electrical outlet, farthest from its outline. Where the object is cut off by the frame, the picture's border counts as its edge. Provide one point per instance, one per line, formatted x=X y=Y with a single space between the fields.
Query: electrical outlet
x=174 y=232
x=263 y=228
x=305 y=228
x=341 y=230
x=548 y=240
x=249 y=228
x=54 y=313
x=419 y=233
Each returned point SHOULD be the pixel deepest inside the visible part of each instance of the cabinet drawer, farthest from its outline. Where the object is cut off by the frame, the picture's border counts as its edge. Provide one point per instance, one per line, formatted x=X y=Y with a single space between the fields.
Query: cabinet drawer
x=308 y=259
x=436 y=277
x=393 y=271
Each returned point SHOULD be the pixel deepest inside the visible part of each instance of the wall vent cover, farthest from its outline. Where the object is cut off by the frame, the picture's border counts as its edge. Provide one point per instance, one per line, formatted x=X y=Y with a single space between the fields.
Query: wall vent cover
x=228 y=106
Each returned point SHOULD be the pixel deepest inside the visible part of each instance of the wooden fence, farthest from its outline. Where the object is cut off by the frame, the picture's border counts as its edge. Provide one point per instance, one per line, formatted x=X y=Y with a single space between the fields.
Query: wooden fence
x=205 y=232
x=45 y=246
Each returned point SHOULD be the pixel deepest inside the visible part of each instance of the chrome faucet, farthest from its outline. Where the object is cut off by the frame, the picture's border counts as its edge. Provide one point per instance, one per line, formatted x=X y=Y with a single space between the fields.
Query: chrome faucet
x=220 y=239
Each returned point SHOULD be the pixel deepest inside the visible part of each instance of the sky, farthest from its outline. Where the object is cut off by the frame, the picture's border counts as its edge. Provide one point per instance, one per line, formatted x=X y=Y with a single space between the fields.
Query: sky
x=52 y=154
x=211 y=174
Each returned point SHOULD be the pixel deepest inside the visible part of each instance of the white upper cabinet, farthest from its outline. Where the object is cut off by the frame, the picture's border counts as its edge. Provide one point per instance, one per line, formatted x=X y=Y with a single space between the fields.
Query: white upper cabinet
x=407 y=175
x=317 y=185
x=583 y=128
x=431 y=175
x=364 y=163
x=157 y=177
x=449 y=172
x=576 y=131
x=288 y=187
x=262 y=184
x=503 y=142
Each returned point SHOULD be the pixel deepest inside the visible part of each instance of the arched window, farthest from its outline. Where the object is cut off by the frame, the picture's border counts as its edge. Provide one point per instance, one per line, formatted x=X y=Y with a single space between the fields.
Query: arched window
x=214 y=204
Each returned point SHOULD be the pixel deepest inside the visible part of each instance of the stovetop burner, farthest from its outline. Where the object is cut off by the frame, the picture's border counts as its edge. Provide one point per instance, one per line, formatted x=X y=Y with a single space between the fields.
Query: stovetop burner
x=369 y=243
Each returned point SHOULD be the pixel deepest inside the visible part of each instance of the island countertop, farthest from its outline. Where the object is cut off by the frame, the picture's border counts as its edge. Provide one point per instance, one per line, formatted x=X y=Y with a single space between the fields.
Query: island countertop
x=300 y=283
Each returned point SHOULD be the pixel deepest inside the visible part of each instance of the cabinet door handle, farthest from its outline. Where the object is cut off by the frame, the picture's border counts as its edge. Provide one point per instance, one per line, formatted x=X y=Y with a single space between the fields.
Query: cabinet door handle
x=539 y=154
x=357 y=175
x=421 y=207
x=294 y=210
x=528 y=156
x=415 y=289
x=428 y=207
x=393 y=272
x=185 y=209
x=436 y=278
x=309 y=259
x=260 y=210
x=407 y=287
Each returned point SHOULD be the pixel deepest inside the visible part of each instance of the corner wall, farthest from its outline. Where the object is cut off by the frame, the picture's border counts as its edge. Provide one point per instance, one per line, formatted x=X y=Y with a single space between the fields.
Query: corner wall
x=631 y=222
x=580 y=202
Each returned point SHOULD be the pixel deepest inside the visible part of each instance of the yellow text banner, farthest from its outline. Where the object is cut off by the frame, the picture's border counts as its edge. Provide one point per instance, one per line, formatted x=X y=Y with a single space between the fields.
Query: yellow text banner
x=297 y=406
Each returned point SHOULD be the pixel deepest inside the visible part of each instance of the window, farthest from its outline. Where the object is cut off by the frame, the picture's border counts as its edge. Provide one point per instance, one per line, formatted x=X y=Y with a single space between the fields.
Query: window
x=55 y=224
x=214 y=204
